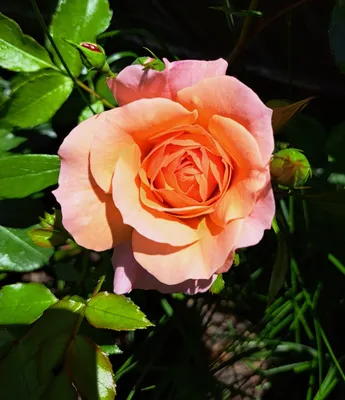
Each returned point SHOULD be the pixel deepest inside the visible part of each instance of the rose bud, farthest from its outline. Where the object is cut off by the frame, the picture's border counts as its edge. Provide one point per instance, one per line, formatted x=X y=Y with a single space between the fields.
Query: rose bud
x=92 y=55
x=290 y=168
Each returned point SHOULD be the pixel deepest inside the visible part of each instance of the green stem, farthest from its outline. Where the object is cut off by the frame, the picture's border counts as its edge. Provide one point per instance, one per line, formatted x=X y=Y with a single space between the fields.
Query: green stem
x=87 y=89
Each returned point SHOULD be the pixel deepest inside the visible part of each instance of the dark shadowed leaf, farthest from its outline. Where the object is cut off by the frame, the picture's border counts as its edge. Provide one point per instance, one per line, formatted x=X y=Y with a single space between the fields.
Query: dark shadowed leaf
x=24 y=303
x=90 y=370
x=31 y=365
x=282 y=114
x=20 y=52
x=22 y=175
x=35 y=99
x=337 y=34
x=111 y=311
x=18 y=253
x=61 y=388
x=78 y=21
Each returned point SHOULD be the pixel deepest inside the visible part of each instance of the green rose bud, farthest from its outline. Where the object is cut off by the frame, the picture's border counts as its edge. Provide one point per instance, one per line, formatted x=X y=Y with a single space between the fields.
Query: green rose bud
x=92 y=55
x=290 y=168
x=150 y=63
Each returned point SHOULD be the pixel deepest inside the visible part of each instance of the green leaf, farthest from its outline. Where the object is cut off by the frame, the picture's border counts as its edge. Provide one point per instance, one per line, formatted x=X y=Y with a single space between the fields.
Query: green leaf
x=91 y=370
x=61 y=388
x=283 y=114
x=111 y=349
x=337 y=34
x=111 y=311
x=6 y=340
x=8 y=141
x=307 y=134
x=18 y=253
x=281 y=264
x=23 y=175
x=78 y=21
x=35 y=99
x=87 y=113
x=20 y=52
x=31 y=365
x=24 y=303
x=103 y=90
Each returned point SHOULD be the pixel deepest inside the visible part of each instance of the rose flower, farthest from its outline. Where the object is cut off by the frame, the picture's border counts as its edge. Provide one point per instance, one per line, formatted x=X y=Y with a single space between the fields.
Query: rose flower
x=175 y=180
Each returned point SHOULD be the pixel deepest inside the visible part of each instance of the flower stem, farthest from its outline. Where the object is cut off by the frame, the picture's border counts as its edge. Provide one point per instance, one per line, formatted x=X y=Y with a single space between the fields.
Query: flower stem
x=87 y=89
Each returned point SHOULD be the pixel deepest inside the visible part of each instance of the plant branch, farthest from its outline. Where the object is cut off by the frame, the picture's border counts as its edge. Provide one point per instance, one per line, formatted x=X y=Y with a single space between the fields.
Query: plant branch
x=241 y=44
x=87 y=89
x=244 y=37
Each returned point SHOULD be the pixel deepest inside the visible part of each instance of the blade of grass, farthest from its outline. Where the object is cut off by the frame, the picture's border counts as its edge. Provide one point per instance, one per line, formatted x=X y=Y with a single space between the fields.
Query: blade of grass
x=318 y=325
x=336 y=263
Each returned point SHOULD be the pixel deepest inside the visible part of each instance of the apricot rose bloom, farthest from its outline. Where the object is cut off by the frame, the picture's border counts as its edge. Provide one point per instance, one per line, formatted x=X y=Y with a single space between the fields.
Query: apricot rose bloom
x=175 y=180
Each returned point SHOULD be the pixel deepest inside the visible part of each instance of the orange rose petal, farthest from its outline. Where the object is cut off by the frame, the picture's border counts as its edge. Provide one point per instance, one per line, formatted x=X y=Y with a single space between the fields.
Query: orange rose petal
x=137 y=122
x=88 y=213
x=260 y=218
x=155 y=225
x=172 y=265
x=239 y=200
x=228 y=97
x=238 y=142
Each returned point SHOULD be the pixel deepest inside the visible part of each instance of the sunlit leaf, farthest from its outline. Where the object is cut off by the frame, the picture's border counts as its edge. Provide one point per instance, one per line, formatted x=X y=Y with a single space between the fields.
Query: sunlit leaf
x=78 y=21
x=18 y=253
x=24 y=303
x=111 y=311
x=97 y=108
x=19 y=52
x=22 y=175
x=35 y=99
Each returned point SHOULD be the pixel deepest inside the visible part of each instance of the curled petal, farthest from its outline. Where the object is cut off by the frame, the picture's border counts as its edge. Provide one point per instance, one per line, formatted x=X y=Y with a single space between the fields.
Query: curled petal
x=155 y=225
x=228 y=97
x=130 y=275
x=88 y=213
x=200 y=260
x=135 y=82
x=116 y=129
x=259 y=219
